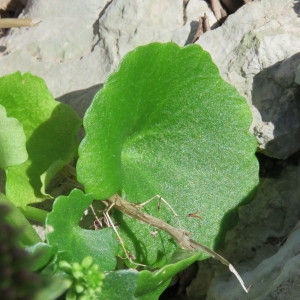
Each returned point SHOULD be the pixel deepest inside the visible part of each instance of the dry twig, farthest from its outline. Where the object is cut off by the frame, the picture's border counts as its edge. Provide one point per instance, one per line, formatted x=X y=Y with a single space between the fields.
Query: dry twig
x=180 y=236
x=203 y=26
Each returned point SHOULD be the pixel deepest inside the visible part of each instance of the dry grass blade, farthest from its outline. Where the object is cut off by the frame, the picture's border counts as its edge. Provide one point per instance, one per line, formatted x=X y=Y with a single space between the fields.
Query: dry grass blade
x=12 y=22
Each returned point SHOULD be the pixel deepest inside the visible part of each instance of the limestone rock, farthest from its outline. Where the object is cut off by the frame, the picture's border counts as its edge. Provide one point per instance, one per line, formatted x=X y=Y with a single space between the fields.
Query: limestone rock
x=78 y=44
x=256 y=50
x=297 y=79
x=276 y=277
x=59 y=48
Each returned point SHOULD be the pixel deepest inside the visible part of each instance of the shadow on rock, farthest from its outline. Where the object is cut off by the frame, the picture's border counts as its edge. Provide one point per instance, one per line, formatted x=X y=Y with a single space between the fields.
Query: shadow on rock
x=276 y=97
x=80 y=100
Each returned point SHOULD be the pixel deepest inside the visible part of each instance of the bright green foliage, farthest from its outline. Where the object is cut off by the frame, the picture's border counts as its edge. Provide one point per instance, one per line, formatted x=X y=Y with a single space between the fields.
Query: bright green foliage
x=166 y=123
x=65 y=233
x=12 y=141
x=43 y=253
x=86 y=278
x=50 y=128
x=150 y=283
x=120 y=285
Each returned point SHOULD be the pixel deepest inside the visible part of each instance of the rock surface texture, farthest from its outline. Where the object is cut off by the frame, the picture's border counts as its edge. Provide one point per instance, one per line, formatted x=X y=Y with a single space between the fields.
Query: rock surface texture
x=79 y=43
x=257 y=50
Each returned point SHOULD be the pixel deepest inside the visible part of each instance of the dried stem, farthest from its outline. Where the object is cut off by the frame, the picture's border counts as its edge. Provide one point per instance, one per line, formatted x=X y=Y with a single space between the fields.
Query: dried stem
x=203 y=26
x=12 y=22
x=179 y=235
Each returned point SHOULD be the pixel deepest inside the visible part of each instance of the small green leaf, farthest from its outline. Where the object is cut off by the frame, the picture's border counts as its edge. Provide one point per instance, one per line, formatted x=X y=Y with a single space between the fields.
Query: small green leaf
x=12 y=141
x=166 y=123
x=129 y=284
x=65 y=233
x=43 y=254
x=50 y=128
x=46 y=177
x=54 y=288
x=153 y=283
x=119 y=285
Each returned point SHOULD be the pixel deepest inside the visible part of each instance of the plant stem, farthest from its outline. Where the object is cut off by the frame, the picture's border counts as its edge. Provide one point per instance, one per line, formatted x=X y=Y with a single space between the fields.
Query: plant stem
x=179 y=235
x=35 y=214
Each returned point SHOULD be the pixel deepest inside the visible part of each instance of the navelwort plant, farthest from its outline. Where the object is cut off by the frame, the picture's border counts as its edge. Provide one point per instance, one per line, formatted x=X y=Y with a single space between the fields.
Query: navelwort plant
x=165 y=123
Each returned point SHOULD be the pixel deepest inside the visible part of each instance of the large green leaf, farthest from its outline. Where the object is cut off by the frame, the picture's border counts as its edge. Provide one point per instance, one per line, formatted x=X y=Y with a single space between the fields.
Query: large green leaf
x=12 y=141
x=77 y=243
x=50 y=128
x=166 y=123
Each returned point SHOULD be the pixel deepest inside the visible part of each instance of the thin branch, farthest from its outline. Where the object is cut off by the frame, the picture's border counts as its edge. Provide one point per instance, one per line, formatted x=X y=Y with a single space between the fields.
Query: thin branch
x=111 y=223
x=160 y=199
x=180 y=236
x=203 y=26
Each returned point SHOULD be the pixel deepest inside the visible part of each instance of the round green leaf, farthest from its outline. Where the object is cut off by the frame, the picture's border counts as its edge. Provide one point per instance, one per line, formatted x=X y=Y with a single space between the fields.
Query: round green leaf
x=65 y=233
x=166 y=123
x=50 y=128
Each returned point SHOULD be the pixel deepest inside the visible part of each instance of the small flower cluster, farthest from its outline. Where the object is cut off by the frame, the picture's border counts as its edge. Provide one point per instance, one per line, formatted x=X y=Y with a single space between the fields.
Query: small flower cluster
x=86 y=279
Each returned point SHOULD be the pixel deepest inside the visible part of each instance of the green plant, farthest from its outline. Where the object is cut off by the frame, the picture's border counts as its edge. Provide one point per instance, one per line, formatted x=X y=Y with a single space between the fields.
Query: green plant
x=86 y=279
x=165 y=123
x=17 y=280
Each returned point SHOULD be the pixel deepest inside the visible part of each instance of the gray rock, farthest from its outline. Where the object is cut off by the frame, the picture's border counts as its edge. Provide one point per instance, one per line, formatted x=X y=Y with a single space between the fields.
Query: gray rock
x=264 y=245
x=255 y=50
x=276 y=277
x=78 y=44
x=59 y=49
x=297 y=79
